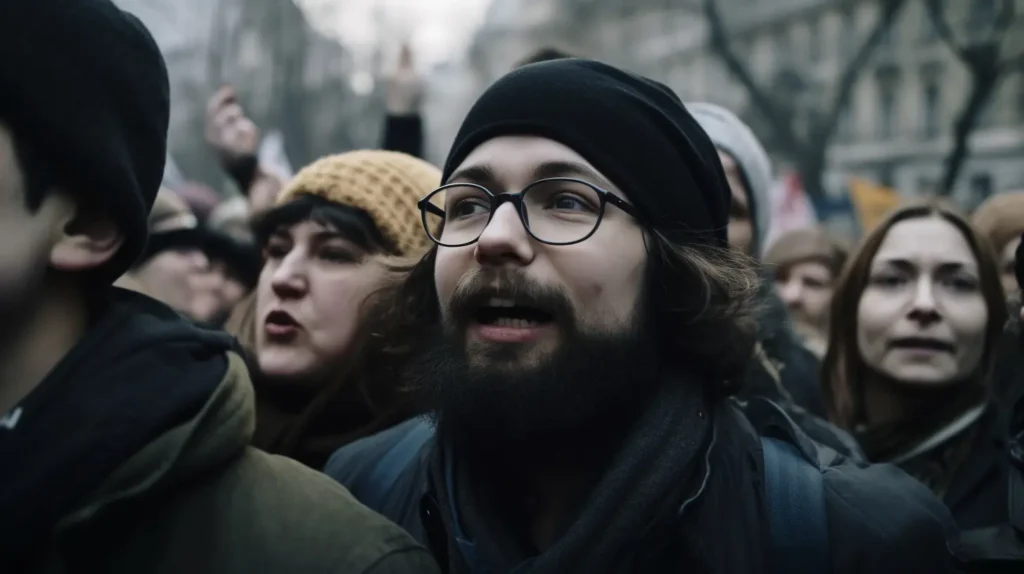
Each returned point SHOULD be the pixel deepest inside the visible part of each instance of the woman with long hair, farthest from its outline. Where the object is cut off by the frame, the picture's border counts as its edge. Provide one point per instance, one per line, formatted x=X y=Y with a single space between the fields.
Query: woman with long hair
x=916 y=317
x=320 y=380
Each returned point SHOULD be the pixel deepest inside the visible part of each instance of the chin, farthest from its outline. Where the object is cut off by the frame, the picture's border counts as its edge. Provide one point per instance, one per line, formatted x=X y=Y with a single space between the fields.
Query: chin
x=283 y=363
x=924 y=375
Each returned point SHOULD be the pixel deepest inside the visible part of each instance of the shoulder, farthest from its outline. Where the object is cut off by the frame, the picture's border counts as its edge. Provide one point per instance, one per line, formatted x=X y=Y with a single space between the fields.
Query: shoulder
x=354 y=463
x=882 y=518
x=284 y=517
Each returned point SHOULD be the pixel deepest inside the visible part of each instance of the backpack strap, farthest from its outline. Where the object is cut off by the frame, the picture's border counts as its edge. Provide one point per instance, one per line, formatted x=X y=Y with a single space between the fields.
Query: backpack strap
x=373 y=491
x=796 y=509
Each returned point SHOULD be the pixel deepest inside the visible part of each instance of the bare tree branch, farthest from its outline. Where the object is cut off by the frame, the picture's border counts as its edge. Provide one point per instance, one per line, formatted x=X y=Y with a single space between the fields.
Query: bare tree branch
x=937 y=14
x=890 y=10
x=1004 y=19
x=777 y=118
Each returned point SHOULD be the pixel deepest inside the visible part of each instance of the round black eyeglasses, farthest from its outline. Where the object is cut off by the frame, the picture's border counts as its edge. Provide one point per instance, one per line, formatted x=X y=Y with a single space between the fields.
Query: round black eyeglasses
x=555 y=211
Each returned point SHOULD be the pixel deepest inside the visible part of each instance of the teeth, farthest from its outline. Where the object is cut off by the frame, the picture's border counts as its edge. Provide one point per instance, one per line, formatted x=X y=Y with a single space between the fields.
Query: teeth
x=514 y=323
x=496 y=302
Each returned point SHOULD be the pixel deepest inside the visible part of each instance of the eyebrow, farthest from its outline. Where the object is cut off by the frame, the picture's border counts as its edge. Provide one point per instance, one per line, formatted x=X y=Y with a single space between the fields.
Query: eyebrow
x=483 y=174
x=948 y=266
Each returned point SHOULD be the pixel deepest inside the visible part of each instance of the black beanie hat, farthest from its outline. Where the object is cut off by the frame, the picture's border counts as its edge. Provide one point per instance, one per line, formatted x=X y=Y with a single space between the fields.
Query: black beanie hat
x=632 y=129
x=84 y=84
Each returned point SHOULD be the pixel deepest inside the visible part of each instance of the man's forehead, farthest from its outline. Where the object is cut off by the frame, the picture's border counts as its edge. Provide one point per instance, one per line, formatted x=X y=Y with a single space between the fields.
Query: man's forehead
x=516 y=158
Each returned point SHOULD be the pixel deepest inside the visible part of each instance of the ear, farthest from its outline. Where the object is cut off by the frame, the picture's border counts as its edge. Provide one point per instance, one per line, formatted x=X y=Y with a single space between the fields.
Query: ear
x=82 y=239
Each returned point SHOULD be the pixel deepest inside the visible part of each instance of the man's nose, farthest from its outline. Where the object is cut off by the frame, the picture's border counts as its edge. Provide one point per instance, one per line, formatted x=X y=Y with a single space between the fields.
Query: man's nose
x=505 y=239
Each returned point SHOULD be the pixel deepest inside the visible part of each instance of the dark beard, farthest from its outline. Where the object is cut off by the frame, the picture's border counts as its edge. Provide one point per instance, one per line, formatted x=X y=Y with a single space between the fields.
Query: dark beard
x=576 y=403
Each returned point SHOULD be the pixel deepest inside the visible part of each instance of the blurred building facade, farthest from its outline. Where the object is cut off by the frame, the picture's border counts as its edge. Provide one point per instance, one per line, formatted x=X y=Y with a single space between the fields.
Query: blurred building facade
x=897 y=127
x=289 y=77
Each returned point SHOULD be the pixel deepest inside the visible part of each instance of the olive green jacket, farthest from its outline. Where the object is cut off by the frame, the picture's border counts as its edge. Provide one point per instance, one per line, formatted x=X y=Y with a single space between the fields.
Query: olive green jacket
x=199 y=500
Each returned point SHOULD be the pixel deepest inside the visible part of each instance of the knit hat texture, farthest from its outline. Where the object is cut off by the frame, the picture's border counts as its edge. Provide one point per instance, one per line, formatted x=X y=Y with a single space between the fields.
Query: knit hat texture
x=83 y=83
x=1000 y=218
x=634 y=130
x=386 y=185
x=731 y=135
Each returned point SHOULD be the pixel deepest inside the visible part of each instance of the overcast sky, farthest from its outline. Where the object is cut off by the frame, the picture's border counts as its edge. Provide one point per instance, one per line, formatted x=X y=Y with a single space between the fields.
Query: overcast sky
x=437 y=29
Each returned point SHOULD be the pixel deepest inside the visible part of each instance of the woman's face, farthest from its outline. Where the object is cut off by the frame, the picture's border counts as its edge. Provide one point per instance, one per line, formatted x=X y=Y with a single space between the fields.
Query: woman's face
x=308 y=299
x=922 y=317
x=806 y=289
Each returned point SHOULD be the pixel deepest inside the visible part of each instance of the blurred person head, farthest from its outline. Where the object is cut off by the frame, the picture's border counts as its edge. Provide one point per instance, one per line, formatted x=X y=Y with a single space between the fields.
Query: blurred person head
x=1000 y=219
x=174 y=263
x=231 y=217
x=200 y=198
x=570 y=277
x=319 y=243
x=78 y=171
x=233 y=272
x=748 y=170
x=917 y=313
x=805 y=264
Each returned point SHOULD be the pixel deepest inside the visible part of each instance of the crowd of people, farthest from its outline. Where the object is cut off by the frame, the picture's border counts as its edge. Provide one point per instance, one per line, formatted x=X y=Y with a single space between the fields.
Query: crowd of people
x=606 y=369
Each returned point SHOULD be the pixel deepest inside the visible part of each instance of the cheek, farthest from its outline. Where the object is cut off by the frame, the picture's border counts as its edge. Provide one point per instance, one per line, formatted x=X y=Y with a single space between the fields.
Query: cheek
x=818 y=301
x=875 y=315
x=450 y=266
x=603 y=277
x=969 y=319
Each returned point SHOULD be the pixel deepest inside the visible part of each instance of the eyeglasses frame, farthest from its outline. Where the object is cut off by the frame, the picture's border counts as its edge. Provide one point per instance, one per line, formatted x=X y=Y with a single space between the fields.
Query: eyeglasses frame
x=516 y=199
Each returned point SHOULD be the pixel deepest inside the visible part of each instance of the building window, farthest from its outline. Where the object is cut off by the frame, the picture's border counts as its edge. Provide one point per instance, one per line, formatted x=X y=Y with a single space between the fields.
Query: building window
x=931 y=105
x=844 y=123
x=814 y=40
x=986 y=117
x=926 y=31
x=888 y=101
x=783 y=50
x=981 y=16
x=979 y=189
x=848 y=33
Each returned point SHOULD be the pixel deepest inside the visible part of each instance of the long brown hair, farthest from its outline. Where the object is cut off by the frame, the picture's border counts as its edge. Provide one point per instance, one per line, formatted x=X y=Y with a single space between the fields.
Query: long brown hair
x=843 y=370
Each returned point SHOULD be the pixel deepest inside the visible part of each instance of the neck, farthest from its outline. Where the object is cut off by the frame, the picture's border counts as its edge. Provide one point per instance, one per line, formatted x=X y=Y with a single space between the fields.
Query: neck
x=554 y=495
x=888 y=402
x=58 y=321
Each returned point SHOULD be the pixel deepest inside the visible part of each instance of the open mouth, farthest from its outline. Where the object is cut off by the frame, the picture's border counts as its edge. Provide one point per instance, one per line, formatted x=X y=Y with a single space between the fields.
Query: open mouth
x=280 y=324
x=507 y=313
x=922 y=344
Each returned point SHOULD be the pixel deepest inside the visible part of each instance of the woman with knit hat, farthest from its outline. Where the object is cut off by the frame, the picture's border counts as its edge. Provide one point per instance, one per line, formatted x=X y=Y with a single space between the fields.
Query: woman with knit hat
x=804 y=265
x=316 y=389
x=1001 y=219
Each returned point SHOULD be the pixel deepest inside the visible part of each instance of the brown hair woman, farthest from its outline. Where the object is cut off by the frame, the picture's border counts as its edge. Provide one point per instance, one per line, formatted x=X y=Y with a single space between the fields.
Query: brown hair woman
x=916 y=318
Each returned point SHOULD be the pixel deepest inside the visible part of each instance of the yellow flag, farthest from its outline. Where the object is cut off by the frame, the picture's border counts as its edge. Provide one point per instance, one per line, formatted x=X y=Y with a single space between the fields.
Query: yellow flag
x=872 y=202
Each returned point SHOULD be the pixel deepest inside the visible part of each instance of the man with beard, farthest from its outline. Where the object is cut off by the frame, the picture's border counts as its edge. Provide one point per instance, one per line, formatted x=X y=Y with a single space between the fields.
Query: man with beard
x=124 y=429
x=583 y=318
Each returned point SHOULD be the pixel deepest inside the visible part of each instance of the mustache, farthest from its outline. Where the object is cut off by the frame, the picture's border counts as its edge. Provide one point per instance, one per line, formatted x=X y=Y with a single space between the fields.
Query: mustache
x=476 y=289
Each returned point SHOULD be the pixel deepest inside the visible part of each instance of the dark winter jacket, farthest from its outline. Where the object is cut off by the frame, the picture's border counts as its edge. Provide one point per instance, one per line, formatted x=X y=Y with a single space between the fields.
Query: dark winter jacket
x=784 y=369
x=132 y=456
x=879 y=520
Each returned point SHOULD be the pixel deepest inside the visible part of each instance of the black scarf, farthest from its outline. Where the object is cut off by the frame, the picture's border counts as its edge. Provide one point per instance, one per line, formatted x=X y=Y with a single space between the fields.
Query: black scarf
x=140 y=371
x=660 y=461
x=932 y=409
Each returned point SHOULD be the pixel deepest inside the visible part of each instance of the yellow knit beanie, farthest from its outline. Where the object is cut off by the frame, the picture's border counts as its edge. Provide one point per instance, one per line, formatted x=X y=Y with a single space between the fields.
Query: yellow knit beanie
x=385 y=184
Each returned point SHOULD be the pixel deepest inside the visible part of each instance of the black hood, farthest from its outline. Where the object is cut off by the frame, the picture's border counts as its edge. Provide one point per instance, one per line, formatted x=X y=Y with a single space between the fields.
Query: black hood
x=140 y=370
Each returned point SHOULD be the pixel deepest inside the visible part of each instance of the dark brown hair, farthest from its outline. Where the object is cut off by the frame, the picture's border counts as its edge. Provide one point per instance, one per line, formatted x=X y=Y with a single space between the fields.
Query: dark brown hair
x=843 y=370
